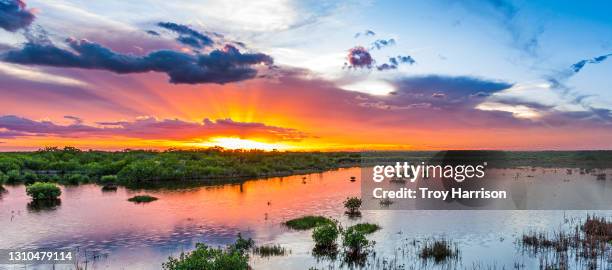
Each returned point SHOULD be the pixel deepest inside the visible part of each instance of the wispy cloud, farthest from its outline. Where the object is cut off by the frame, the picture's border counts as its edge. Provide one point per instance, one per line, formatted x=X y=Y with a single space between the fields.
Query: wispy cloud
x=187 y=35
x=147 y=128
x=32 y=74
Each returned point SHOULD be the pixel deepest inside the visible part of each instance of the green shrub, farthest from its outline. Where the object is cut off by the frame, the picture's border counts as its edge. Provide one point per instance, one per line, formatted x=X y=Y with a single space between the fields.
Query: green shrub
x=307 y=222
x=142 y=199
x=352 y=205
x=354 y=241
x=3 y=178
x=109 y=179
x=29 y=177
x=43 y=191
x=14 y=176
x=140 y=171
x=325 y=236
x=207 y=258
x=366 y=228
x=54 y=178
x=76 y=178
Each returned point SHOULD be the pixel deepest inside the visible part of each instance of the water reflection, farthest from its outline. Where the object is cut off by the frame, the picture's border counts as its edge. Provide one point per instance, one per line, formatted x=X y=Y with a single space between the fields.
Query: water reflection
x=116 y=234
x=44 y=205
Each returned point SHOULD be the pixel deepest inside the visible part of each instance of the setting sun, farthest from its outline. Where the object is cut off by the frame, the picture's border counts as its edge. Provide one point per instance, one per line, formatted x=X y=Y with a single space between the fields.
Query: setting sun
x=237 y=143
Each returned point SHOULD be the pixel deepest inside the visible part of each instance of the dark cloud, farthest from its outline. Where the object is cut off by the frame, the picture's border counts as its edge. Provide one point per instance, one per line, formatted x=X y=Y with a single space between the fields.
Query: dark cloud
x=596 y=60
x=219 y=66
x=394 y=62
x=76 y=120
x=8 y=134
x=147 y=128
x=559 y=79
x=187 y=35
x=386 y=66
x=445 y=92
x=24 y=126
x=152 y=32
x=14 y=15
x=381 y=43
x=366 y=32
x=359 y=57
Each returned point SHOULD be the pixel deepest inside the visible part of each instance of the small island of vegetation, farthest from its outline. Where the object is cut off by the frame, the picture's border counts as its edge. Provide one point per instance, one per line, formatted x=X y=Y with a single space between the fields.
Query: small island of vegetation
x=142 y=199
x=307 y=222
x=43 y=191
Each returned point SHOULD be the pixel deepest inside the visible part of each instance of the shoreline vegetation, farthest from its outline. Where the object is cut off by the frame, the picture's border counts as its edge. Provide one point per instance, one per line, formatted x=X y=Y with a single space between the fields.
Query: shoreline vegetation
x=72 y=166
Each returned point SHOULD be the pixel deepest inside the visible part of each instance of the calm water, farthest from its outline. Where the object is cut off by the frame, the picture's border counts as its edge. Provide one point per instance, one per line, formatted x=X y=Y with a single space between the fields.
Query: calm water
x=124 y=235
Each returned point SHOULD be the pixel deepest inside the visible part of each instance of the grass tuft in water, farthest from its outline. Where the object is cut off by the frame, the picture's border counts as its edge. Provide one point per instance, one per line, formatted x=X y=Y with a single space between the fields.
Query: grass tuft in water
x=270 y=250
x=439 y=251
x=366 y=228
x=307 y=222
x=142 y=199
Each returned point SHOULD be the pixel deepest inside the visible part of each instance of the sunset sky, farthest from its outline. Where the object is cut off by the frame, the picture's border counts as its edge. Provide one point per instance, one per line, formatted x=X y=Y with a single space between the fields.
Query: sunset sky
x=306 y=75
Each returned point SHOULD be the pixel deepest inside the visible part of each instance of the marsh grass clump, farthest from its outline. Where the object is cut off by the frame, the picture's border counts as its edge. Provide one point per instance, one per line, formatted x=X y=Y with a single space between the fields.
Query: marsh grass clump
x=598 y=227
x=590 y=241
x=439 y=251
x=307 y=222
x=43 y=191
x=270 y=250
x=142 y=199
x=538 y=241
x=366 y=228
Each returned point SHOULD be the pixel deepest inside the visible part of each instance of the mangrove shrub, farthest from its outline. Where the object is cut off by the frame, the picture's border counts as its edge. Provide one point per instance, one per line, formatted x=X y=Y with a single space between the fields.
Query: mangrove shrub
x=43 y=191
